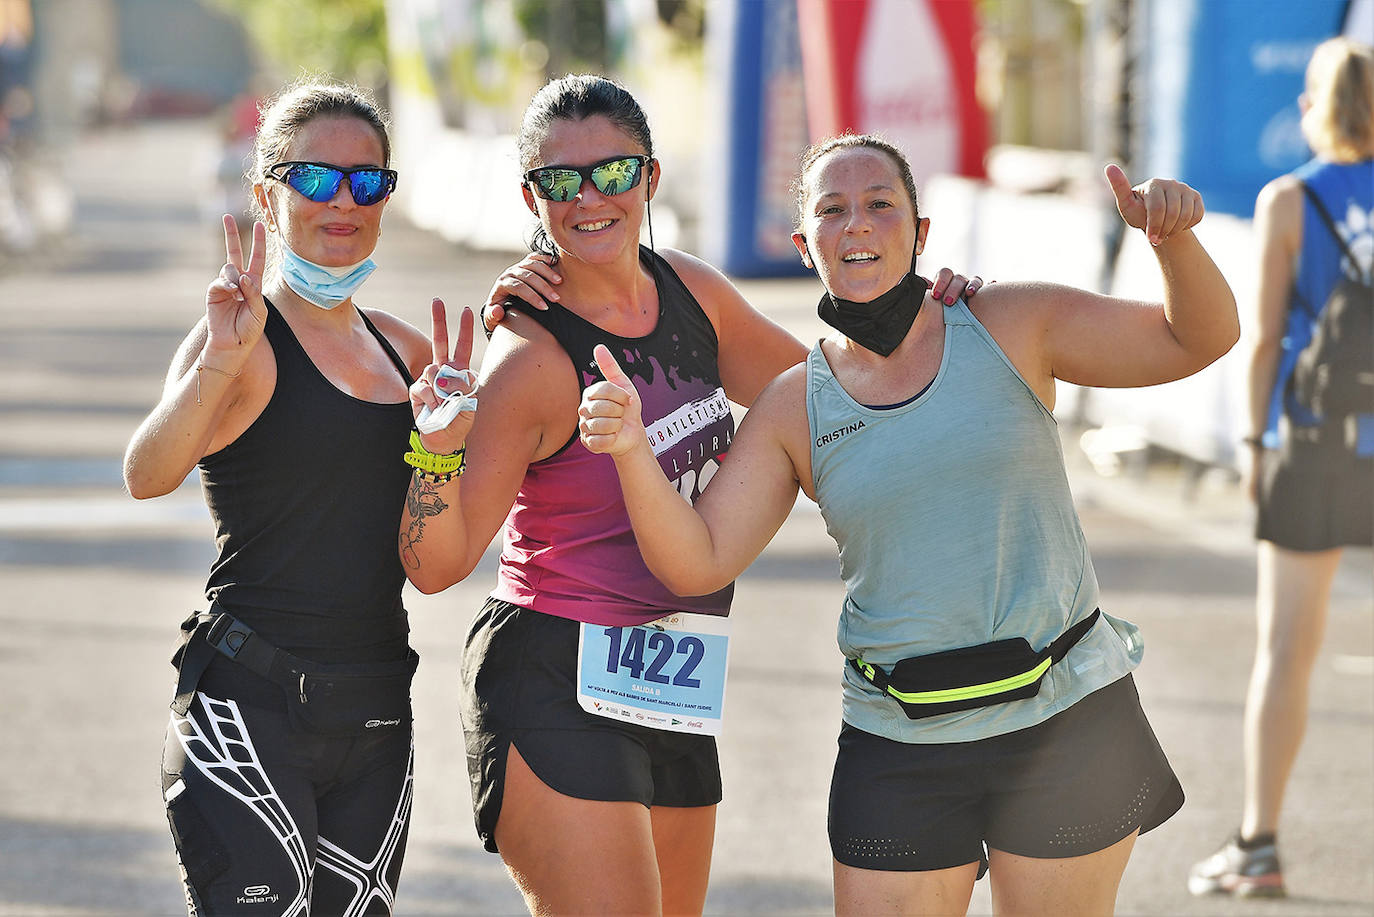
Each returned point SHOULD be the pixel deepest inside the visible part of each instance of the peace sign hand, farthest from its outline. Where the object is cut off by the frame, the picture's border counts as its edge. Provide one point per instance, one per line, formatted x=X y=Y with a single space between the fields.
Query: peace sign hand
x=611 y=412
x=235 y=313
x=1161 y=207
x=430 y=390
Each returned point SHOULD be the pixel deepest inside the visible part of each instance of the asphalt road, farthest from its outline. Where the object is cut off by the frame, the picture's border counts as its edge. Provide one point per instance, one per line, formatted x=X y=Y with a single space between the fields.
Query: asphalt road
x=93 y=583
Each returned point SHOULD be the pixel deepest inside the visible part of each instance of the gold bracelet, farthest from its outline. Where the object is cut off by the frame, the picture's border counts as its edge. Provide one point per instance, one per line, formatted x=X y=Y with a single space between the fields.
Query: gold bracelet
x=223 y=372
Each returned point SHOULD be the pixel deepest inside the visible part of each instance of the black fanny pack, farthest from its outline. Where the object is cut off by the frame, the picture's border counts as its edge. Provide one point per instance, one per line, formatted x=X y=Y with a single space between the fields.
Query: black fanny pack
x=339 y=700
x=971 y=676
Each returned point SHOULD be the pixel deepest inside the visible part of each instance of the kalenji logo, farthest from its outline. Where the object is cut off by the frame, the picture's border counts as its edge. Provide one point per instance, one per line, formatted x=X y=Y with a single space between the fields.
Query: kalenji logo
x=373 y=724
x=257 y=894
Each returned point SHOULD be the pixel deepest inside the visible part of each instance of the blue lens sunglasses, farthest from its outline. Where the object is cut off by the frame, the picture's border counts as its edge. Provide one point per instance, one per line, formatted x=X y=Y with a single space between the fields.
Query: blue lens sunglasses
x=319 y=181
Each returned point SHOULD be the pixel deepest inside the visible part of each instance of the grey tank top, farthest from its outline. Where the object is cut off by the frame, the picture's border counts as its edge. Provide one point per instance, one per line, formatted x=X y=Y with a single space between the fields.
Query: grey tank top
x=955 y=526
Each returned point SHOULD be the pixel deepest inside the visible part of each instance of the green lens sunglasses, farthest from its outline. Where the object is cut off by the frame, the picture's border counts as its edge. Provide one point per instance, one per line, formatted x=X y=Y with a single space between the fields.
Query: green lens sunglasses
x=610 y=176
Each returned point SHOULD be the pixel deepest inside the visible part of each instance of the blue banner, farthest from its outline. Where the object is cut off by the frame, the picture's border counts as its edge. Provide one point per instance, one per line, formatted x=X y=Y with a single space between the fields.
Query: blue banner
x=1221 y=86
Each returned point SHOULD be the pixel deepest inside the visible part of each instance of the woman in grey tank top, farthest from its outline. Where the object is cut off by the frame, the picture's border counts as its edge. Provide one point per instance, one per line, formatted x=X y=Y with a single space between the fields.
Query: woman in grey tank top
x=926 y=436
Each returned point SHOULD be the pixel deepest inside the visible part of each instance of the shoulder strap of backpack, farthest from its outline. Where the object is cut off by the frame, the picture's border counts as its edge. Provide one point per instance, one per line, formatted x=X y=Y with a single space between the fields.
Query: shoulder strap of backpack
x=1330 y=224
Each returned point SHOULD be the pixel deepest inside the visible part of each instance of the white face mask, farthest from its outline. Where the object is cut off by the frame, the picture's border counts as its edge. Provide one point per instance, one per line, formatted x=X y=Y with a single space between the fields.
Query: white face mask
x=326 y=287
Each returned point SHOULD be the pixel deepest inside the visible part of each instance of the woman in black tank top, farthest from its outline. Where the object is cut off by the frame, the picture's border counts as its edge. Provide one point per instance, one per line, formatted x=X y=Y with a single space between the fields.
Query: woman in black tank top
x=292 y=402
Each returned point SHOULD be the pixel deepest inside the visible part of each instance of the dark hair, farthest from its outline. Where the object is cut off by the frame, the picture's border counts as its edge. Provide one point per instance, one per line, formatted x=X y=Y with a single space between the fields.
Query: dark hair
x=297 y=105
x=818 y=150
x=576 y=97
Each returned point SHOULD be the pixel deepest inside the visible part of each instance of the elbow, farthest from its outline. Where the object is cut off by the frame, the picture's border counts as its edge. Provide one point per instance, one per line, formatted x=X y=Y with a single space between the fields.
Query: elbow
x=434 y=578
x=141 y=493
x=1215 y=344
x=688 y=582
x=428 y=586
x=143 y=487
x=1233 y=330
x=430 y=582
x=1226 y=339
x=427 y=583
x=144 y=476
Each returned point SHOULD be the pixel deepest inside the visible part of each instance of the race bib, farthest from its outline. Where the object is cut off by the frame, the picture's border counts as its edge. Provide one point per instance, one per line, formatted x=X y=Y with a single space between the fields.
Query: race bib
x=667 y=674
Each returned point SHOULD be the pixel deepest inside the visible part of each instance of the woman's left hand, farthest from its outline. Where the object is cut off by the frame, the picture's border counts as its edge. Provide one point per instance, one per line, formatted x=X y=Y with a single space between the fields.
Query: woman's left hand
x=424 y=393
x=531 y=281
x=949 y=286
x=1161 y=207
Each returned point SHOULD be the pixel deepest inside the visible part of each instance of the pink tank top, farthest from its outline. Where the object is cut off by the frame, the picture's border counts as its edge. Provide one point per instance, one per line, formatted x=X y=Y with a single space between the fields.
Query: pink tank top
x=567 y=546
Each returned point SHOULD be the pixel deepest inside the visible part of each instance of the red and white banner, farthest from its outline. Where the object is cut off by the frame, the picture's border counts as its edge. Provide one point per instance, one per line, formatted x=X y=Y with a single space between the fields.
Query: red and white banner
x=903 y=68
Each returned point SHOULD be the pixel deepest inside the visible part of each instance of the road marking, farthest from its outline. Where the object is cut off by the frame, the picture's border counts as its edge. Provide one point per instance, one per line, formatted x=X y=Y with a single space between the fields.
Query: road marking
x=1352 y=665
x=91 y=514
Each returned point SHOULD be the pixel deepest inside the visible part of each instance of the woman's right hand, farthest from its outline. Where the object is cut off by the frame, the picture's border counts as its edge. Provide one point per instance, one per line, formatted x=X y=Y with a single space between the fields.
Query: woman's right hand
x=611 y=413
x=531 y=281
x=235 y=313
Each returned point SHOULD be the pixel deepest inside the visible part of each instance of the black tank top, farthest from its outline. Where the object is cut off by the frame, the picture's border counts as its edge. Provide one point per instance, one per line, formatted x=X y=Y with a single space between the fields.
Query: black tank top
x=306 y=505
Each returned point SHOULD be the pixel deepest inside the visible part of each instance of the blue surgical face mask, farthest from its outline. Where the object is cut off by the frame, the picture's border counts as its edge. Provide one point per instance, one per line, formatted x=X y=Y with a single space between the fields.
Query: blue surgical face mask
x=326 y=287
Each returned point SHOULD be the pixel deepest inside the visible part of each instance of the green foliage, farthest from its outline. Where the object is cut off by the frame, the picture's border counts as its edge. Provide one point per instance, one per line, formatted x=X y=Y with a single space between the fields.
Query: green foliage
x=342 y=38
x=687 y=18
x=574 y=31
x=576 y=36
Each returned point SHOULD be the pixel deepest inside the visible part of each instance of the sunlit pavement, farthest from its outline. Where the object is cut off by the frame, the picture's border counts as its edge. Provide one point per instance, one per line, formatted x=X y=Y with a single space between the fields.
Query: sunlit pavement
x=92 y=584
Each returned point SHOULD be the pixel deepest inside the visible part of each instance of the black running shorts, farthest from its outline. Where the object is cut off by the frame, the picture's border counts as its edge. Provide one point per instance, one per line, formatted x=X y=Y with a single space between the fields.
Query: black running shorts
x=1314 y=496
x=1072 y=785
x=519 y=686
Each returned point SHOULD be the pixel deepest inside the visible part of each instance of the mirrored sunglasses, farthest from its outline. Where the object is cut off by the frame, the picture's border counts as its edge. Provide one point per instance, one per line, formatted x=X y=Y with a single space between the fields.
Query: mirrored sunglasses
x=320 y=181
x=611 y=176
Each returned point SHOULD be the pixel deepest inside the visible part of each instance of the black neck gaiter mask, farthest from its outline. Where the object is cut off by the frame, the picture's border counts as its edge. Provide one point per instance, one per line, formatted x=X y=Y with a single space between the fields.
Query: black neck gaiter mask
x=880 y=324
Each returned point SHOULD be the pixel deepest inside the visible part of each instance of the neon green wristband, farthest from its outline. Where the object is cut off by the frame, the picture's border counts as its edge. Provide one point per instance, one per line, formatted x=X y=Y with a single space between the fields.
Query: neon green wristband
x=452 y=463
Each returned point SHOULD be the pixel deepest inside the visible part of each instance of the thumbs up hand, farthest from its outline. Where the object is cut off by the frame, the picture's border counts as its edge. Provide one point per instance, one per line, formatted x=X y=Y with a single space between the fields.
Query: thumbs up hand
x=611 y=421
x=1160 y=208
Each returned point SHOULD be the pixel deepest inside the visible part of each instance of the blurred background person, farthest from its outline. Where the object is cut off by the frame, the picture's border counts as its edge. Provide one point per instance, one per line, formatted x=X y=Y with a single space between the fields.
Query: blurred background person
x=1311 y=471
x=16 y=107
x=228 y=163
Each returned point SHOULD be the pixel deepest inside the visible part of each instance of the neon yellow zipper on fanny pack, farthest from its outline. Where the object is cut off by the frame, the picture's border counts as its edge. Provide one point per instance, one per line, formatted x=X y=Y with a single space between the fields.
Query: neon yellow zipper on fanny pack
x=1010 y=683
